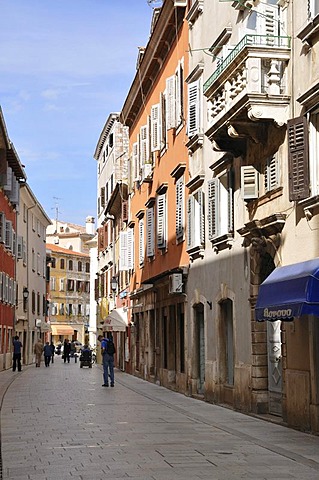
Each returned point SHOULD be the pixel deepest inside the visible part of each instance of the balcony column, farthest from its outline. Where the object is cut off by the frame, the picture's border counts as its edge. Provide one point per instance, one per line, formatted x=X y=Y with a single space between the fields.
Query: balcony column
x=253 y=66
x=274 y=78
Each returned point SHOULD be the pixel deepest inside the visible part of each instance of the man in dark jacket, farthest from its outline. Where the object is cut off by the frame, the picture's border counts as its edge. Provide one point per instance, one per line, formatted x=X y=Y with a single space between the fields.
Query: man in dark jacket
x=17 y=346
x=66 y=350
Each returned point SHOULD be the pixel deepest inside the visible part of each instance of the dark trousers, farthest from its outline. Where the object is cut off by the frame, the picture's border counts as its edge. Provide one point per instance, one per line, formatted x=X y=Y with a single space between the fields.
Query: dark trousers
x=16 y=361
x=66 y=357
x=47 y=360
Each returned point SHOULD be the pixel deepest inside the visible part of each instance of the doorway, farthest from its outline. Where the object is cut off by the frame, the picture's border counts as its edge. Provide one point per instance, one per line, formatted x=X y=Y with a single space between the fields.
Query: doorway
x=200 y=345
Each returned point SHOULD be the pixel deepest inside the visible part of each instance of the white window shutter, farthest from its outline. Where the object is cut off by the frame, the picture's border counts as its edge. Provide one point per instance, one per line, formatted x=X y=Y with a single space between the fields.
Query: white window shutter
x=123 y=264
x=249 y=182
x=141 y=240
x=190 y=222
x=8 y=241
x=2 y=227
x=8 y=183
x=193 y=108
x=179 y=94
x=161 y=221
x=180 y=209
x=136 y=162
x=268 y=21
x=213 y=209
x=271 y=173
x=130 y=248
x=170 y=103
x=20 y=247
x=230 y=226
x=201 y=217
x=14 y=243
x=150 y=247
x=163 y=120
x=144 y=145
x=155 y=127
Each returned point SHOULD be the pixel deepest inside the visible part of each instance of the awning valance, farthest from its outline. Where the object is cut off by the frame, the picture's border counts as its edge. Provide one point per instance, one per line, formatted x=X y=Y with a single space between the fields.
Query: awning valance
x=62 y=330
x=116 y=321
x=289 y=292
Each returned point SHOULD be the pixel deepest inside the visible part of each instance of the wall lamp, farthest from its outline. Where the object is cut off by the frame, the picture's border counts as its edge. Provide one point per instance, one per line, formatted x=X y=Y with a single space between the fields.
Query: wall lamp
x=113 y=284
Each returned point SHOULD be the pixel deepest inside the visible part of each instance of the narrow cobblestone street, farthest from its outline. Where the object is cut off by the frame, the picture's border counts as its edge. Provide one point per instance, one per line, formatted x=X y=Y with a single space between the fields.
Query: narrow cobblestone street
x=58 y=423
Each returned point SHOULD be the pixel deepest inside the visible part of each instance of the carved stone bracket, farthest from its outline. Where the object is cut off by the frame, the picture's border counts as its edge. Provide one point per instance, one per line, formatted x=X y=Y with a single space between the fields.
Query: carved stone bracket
x=257 y=232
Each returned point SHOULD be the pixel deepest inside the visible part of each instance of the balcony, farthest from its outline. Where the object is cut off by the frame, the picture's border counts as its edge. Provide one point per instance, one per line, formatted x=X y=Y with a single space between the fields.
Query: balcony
x=248 y=86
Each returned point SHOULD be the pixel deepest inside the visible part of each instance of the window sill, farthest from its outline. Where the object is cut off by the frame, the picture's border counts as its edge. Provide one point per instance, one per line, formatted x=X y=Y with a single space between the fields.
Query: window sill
x=196 y=10
x=309 y=205
x=307 y=34
x=222 y=242
x=194 y=143
x=196 y=252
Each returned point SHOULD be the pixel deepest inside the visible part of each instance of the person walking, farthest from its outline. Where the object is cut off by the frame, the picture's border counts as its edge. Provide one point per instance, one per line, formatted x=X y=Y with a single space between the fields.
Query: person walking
x=108 y=350
x=17 y=346
x=52 y=352
x=38 y=350
x=66 y=350
x=47 y=354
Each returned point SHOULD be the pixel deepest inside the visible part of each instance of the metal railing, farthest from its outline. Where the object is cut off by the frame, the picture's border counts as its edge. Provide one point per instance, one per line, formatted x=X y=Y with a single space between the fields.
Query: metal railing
x=248 y=40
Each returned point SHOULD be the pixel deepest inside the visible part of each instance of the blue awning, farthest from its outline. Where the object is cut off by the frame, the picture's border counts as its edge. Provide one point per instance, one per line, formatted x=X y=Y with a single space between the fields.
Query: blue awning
x=289 y=292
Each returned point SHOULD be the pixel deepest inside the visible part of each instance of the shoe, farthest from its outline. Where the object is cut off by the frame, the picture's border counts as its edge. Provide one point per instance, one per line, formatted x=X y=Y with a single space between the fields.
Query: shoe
x=105 y=385
x=112 y=384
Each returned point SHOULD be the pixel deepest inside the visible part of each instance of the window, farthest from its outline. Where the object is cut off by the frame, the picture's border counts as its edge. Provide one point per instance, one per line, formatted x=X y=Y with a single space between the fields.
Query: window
x=38 y=304
x=62 y=284
x=70 y=264
x=256 y=183
x=52 y=283
x=161 y=221
x=62 y=264
x=141 y=241
x=180 y=220
x=194 y=111
x=174 y=98
x=44 y=306
x=150 y=243
x=195 y=221
x=53 y=262
x=2 y=227
x=155 y=127
x=61 y=309
x=79 y=309
x=70 y=285
x=8 y=237
x=313 y=8
x=102 y=197
x=87 y=267
x=123 y=265
x=33 y=259
x=298 y=157
x=33 y=301
x=38 y=264
x=144 y=145
x=220 y=206
x=79 y=266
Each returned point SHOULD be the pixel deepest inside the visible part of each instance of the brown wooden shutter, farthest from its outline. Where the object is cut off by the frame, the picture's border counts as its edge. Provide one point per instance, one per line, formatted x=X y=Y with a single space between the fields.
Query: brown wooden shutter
x=124 y=211
x=298 y=158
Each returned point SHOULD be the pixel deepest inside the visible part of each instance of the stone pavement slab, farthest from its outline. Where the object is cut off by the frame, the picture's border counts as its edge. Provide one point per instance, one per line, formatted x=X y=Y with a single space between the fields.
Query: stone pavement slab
x=59 y=423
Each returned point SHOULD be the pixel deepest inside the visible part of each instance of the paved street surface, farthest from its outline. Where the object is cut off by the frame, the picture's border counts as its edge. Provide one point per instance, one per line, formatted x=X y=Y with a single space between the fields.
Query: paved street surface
x=58 y=423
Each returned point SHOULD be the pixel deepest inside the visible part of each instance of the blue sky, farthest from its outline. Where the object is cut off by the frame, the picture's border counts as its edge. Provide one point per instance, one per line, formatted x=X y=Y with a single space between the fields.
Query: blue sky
x=64 y=66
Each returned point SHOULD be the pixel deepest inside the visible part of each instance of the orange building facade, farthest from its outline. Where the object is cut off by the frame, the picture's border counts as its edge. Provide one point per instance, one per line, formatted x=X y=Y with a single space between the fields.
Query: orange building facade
x=154 y=111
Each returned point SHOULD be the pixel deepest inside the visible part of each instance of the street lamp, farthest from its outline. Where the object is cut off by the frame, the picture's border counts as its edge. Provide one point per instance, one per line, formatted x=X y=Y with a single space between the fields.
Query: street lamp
x=113 y=284
x=25 y=298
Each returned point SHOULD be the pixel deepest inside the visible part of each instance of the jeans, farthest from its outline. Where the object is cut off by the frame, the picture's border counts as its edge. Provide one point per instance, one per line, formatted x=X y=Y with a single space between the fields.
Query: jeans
x=108 y=368
x=47 y=360
x=16 y=361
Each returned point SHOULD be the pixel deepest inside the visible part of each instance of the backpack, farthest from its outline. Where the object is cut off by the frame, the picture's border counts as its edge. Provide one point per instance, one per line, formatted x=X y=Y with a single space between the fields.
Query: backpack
x=110 y=347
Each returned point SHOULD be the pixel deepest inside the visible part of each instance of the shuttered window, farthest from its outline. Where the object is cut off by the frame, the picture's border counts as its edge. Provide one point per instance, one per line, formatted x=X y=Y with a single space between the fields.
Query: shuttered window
x=130 y=248
x=170 y=103
x=141 y=241
x=180 y=209
x=298 y=158
x=179 y=94
x=212 y=209
x=271 y=176
x=123 y=263
x=136 y=161
x=144 y=145
x=249 y=182
x=150 y=244
x=193 y=108
x=220 y=206
x=163 y=120
x=161 y=221
x=155 y=128
x=196 y=220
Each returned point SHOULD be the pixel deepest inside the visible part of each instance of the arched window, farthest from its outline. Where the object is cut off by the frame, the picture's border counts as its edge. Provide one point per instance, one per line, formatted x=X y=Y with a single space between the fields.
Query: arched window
x=70 y=264
x=62 y=264
x=79 y=266
x=87 y=267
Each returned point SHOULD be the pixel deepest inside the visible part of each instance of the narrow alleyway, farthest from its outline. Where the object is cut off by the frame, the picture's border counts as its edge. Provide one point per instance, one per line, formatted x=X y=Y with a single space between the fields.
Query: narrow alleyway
x=58 y=423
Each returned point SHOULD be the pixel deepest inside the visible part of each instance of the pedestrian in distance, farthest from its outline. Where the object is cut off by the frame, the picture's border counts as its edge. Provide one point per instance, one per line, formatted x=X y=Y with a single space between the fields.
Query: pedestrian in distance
x=47 y=354
x=66 y=350
x=17 y=346
x=38 y=351
x=52 y=352
x=107 y=350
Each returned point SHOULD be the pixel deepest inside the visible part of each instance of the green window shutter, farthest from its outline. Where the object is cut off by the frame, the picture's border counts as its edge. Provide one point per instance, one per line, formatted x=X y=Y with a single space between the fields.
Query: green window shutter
x=298 y=158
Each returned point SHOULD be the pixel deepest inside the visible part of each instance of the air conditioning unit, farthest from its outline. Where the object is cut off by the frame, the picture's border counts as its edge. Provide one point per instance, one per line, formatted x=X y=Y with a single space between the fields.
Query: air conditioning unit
x=175 y=283
x=147 y=171
x=245 y=5
x=180 y=3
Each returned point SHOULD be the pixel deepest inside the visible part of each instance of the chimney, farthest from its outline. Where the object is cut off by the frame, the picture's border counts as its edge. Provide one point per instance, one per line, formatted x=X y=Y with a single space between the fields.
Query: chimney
x=90 y=225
